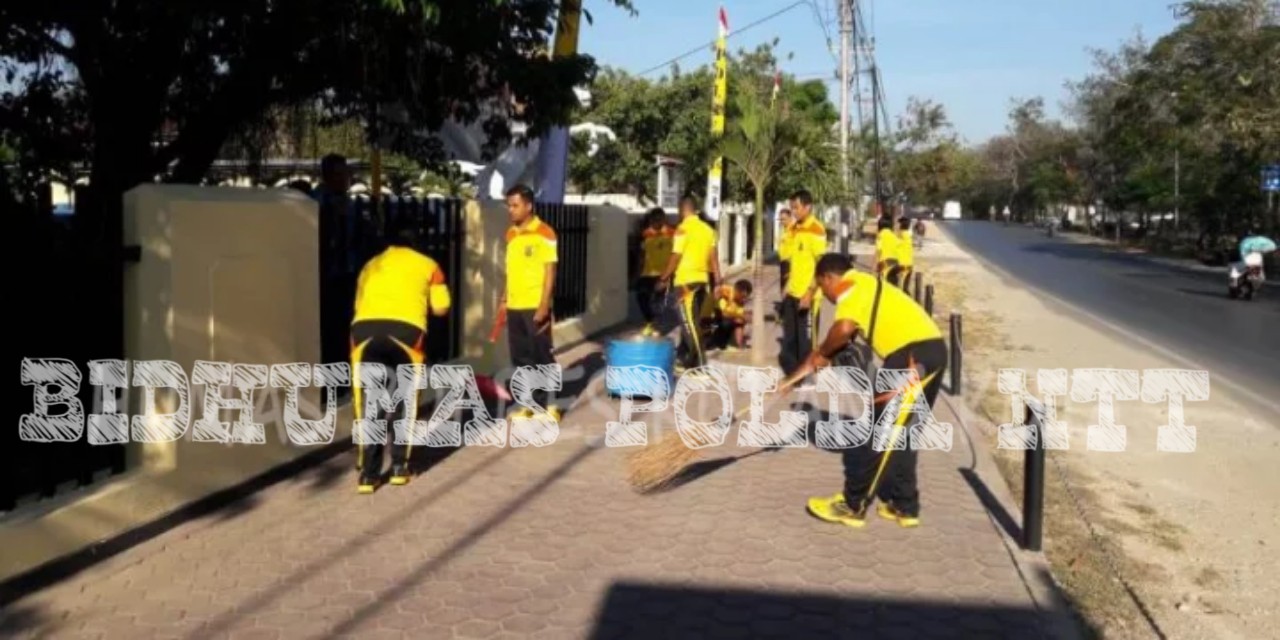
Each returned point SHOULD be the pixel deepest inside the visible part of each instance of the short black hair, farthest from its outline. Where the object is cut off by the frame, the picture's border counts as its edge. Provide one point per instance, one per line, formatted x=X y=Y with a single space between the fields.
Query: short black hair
x=803 y=197
x=904 y=224
x=521 y=190
x=655 y=214
x=743 y=286
x=886 y=223
x=331 y=162
x=836 y=263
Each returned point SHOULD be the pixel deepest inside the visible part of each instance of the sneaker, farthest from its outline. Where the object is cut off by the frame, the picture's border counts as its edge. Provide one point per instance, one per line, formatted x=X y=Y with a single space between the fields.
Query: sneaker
x=367 y=485
x=523 y=413
x=400 y=475
x=835 y=509
x=888 y=512
x=555 y=414
x=649 y=331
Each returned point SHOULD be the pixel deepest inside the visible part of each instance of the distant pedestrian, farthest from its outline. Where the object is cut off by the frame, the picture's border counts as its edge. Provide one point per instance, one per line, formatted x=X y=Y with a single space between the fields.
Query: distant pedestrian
x=906 y=254
x=786 y=233
x=886 y=250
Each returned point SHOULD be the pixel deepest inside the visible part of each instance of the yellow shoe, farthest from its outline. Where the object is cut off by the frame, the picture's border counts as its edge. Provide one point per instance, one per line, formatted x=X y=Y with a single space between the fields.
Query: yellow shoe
x=555 y=414
x=835 y=509
x=523 y=413
x=648 y=331
x=400 y=475
x=367 y=486
x=887 y=512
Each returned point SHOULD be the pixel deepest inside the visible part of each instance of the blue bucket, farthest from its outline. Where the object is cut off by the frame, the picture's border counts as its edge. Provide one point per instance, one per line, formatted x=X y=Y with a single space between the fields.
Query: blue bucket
x=659 y=354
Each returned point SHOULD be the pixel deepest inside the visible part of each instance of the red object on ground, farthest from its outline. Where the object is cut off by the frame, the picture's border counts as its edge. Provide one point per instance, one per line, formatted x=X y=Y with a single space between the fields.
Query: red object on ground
x=491 y=391
x=498 y=325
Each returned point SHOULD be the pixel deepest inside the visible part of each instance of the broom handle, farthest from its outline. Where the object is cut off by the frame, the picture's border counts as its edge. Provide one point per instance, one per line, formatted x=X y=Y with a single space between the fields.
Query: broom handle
x=784 y=388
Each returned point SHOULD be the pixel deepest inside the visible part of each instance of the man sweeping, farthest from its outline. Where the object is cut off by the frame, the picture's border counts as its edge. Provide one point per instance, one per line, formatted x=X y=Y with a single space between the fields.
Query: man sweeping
x=394 y=293
x=531 y=280
x=694 y=265
x=655 y=251
x=901 y=333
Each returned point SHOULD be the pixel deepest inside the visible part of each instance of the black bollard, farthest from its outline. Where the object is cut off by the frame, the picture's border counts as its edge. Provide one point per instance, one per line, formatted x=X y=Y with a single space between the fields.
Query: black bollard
x=919 y=286
x=1033 y=485
x=928 y=300
x=957 y=353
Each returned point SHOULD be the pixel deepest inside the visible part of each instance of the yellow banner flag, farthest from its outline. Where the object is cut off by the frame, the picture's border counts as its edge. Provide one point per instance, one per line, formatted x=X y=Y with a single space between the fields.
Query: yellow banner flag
x=719 y=96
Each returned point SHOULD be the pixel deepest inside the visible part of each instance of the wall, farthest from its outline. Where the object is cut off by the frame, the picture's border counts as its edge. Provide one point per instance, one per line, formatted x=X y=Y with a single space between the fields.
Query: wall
x=198 y=293
x=607 y=295
x=231 y=274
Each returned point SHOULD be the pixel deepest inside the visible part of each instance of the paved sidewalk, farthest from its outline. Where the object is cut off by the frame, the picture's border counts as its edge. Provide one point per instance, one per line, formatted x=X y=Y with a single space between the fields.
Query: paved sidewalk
x=551 y=543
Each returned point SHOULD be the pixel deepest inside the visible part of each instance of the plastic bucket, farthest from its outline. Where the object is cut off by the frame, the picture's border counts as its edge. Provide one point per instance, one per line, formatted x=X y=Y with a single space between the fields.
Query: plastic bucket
x=656 y=359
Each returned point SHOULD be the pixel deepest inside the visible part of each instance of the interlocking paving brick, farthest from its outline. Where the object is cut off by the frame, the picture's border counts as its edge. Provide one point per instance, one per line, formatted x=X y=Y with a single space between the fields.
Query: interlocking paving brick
x=550 y=543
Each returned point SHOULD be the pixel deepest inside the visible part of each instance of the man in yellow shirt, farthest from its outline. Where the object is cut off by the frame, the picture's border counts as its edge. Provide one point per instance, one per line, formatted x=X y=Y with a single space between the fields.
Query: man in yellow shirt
x=395 y=291
x=527 y=301
x=655 y=251
x=786 y=225
x=886 y=249
x=798 y=309
x=906 y=254
x=694 y=265
x=902 y=334
x=731 y=315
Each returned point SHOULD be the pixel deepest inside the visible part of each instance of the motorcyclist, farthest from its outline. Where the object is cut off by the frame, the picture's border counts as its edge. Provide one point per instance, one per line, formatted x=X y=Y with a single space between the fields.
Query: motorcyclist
x=1252 y=248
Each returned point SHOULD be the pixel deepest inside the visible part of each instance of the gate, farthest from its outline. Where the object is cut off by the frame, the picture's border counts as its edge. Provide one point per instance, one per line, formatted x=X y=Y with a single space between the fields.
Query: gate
x=572 y=224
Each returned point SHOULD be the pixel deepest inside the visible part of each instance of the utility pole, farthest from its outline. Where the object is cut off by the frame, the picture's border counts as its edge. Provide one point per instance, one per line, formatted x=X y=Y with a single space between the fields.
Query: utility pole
x=846 y=29
x=875 y=129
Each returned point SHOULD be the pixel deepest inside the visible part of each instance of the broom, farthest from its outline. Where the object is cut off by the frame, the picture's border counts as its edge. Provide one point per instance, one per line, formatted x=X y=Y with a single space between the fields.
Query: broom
x=658 y=464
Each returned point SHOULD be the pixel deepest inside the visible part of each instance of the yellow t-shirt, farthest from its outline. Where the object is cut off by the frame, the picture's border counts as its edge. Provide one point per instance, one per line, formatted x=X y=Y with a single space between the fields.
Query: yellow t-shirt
x=785 y=241
x=808 y=243
x=694 y=241
x=906 y=250
x=529 y=250
x=400 y=284
x=729 y=307
x=887 y=245
x=901 y=321
x=656 y=245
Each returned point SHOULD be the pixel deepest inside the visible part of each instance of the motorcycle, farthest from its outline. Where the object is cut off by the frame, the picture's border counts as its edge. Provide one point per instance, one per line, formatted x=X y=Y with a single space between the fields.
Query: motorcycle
x=1245 y=278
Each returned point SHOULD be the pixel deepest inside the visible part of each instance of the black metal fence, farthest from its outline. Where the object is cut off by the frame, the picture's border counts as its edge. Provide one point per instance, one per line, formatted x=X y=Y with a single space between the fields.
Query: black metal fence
x=572 y=224
x=73 y=310
x=352 y=234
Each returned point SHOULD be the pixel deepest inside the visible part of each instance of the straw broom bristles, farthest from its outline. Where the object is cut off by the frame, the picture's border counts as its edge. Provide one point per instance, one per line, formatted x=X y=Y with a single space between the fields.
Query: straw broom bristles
x=657 y=464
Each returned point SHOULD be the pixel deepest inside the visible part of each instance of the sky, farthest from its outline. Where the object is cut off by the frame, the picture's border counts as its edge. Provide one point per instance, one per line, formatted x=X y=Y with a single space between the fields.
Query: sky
x=973 y=56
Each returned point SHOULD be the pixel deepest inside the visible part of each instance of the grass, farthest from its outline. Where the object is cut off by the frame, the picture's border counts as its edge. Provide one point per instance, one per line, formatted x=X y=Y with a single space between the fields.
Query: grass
x=1081 y=562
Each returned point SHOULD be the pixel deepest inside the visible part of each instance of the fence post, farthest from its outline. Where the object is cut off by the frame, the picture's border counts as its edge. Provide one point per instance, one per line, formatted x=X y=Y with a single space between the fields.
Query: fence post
x=928 y=300
x=957 y=353
x=918 y=287
x=1033 y=484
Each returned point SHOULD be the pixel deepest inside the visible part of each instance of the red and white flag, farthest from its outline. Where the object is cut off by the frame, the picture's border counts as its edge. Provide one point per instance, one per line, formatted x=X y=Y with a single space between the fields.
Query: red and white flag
x=724 y=23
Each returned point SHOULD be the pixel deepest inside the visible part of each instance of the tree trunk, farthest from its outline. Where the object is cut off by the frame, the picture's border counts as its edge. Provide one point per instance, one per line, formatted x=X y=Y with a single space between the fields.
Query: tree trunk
x=757 y=278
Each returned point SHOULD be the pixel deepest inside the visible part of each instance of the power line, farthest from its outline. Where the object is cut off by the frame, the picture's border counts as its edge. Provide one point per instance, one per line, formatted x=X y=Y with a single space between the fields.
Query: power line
x=703 y=47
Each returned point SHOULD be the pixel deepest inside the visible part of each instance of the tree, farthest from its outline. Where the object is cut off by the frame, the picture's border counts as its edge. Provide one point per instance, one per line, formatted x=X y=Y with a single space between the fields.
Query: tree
x=155 y=88
x=758 y=141
x=671 y=116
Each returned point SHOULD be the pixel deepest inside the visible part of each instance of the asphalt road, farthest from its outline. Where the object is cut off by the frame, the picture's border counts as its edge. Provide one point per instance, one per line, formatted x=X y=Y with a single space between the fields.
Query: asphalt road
x=1183 y=313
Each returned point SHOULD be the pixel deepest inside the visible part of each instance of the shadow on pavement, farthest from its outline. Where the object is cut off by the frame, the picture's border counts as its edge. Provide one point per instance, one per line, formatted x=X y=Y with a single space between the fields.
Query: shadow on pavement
x=631 y=610
x=992 y=504
x=704 y=468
